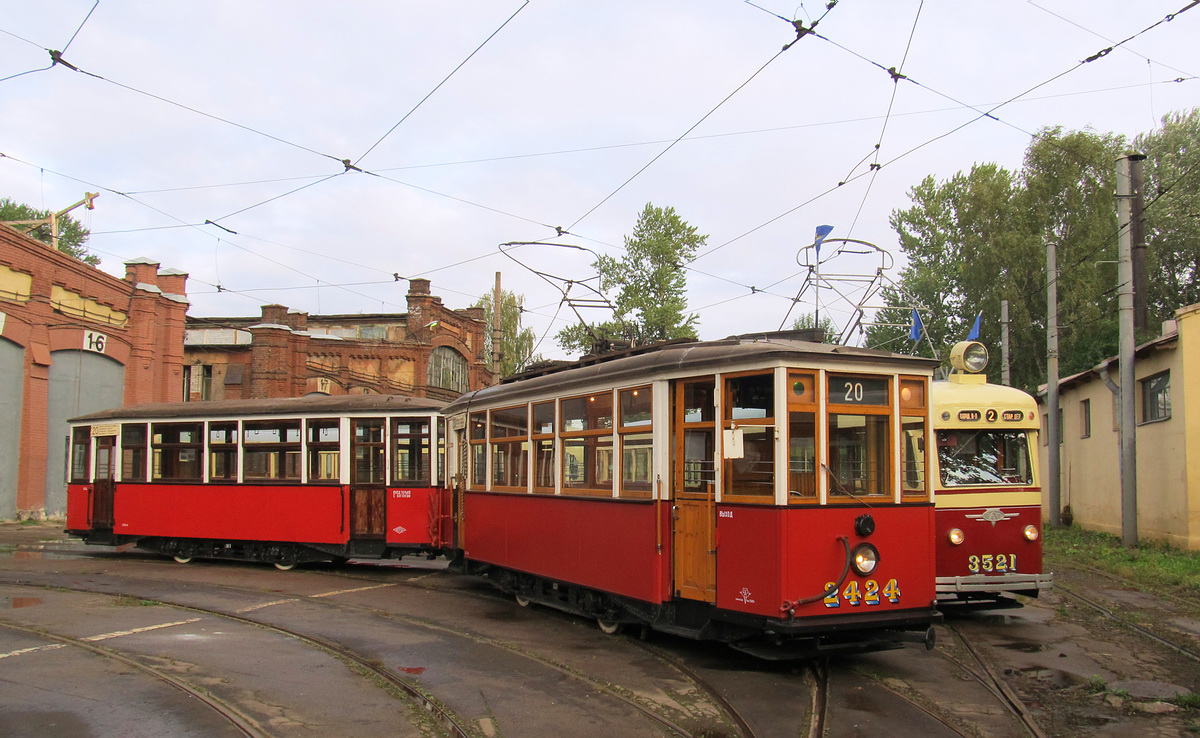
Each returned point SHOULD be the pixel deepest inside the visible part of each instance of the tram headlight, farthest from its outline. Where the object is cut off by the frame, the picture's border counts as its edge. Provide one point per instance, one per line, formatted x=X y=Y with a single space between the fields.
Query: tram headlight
x=969 y=356
x=865 y=558
x=956 y=536
x=1031 y=533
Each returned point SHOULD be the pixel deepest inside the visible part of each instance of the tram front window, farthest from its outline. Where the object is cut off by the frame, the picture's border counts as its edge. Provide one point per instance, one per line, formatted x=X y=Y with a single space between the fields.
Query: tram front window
x=980 y=457
x=859 y=455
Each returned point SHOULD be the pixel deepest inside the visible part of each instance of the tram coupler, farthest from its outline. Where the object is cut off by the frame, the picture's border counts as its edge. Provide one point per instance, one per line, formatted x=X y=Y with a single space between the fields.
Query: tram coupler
x=928 y=638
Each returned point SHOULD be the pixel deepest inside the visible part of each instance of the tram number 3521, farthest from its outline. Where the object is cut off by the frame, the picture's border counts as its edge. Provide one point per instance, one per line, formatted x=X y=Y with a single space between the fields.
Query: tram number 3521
x=868 y=593
x=989 y=563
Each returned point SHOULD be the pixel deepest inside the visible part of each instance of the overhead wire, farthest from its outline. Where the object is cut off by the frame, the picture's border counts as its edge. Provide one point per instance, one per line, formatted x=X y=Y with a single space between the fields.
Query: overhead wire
x=444 y=80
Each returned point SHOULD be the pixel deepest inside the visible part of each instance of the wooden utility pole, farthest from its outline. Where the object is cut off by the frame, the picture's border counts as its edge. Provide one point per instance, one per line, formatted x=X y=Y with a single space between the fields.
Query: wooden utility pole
x=496 y=303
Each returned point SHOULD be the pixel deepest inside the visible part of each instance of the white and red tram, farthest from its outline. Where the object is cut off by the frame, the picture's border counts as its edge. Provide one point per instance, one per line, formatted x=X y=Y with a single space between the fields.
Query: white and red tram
x=765 y=491
x=282 y=481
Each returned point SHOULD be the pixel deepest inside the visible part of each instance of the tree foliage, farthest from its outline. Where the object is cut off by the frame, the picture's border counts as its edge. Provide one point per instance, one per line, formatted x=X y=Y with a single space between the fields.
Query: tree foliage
x=71 y=234
x=516 y=342
x=980 y=238
x=1172 y=213
x=649 y=282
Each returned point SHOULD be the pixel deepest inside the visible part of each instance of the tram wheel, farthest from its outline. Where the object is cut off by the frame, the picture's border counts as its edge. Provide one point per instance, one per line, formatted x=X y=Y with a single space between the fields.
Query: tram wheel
x=522 y=601
x=609 y=627
x=285 y=565
x=183 y=558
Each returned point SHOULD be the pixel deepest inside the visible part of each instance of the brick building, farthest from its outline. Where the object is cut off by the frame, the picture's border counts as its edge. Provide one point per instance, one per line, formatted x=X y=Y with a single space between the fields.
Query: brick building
x=74 y=340
x=430 y=351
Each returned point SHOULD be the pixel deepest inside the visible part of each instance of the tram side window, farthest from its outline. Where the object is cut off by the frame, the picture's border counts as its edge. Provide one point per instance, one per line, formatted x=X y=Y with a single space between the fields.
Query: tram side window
x=510 y=447
x=81 y=455
x=637 y=442
x=271 y=450
x=175 y=451
x=750 y=408
x=543 y=447
x=587 y=443
x=478 y=429
x=913 y=461
x=802 y=437
x=222 y=452
x=133 y=452
x=368 y=452
x=324 y=451
x=410 y=452
x=860 y=440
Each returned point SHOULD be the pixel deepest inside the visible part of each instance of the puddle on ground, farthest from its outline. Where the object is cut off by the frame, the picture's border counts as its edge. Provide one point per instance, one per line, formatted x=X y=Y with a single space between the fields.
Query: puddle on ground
x=1023 y=646
x=1052 y=678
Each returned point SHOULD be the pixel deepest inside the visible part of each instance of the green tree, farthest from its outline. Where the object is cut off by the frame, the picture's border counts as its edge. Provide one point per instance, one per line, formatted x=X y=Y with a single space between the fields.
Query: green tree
x=980 y=238
x=807 y=321
x=1172 y=213
x=71 y=234
x=649 y=282
x=516 y=342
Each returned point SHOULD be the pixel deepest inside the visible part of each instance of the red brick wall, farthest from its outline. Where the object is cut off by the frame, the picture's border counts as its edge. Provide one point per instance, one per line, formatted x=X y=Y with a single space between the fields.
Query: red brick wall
x=149 y=345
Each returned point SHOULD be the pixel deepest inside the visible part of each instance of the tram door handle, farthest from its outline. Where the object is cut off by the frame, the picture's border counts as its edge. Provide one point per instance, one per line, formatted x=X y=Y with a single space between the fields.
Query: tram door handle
x=675 y=512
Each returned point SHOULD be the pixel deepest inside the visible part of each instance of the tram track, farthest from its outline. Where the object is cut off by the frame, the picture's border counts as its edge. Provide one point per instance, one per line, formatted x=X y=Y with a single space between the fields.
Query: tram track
x=1143 y=631
x=444 y=717
x=245 y=724
x=994 y=683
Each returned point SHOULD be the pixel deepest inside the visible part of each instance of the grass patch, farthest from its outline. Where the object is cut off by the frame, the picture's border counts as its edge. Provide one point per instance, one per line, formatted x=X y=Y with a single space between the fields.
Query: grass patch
x=1188 y=701
x=1153 y=566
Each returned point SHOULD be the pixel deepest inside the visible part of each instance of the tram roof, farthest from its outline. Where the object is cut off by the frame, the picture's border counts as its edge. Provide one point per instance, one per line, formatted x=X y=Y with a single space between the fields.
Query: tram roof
x=312 y=405
x=680 y=358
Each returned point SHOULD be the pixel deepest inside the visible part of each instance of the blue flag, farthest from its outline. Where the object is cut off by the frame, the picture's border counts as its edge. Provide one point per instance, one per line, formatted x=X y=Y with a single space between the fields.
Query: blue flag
x=822 y=232
x=915 y=333
x=974 y=334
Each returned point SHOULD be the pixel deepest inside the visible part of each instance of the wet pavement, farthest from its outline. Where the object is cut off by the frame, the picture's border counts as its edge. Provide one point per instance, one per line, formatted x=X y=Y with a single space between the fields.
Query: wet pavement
x=507 y=670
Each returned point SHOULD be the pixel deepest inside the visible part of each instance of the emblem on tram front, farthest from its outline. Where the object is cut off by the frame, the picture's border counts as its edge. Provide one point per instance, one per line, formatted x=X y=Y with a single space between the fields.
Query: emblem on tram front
x=992 y=515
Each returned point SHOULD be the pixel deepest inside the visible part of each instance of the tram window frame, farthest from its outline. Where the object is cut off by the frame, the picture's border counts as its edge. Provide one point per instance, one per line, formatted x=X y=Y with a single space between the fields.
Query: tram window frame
x=635 y=431
x=541 y=439
x=172 y=457
x=324 y=453
x=874 y=416
x=477 y=435
x=368 y=455
x=589 y=442
x=223 y=452
x=411 y=439
x=746 y=479
x=80 y=471
x=802 y=408
x=914 y=437
x=135 y=449
x=508 y=438
x=280 y=457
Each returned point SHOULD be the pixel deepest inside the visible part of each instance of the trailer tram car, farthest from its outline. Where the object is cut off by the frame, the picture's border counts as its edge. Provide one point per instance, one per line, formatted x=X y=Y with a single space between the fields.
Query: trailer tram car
x=765 y=491
x=987 y=487
x=283 y=481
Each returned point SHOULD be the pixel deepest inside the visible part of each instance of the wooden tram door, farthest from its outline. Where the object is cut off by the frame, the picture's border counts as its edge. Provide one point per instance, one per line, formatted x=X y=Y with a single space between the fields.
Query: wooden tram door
x=368 y=478
x=103 y=484
x=693 y=434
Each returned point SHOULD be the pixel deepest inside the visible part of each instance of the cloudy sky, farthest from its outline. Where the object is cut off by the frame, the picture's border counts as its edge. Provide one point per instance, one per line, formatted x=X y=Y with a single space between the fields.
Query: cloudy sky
x=216 y=132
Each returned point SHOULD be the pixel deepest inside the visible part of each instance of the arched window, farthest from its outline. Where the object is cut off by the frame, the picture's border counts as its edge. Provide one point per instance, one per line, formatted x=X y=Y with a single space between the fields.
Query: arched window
x=447 y=369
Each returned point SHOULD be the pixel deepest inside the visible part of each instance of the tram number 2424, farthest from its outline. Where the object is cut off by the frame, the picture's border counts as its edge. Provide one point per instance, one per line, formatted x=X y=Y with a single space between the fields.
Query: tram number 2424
x=989 y=563
x=869 y=593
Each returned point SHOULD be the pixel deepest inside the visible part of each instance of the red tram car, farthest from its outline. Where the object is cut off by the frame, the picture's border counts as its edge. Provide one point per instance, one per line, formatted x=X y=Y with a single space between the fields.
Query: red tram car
x=282 y=481
x=988 y=487
x=765 y=491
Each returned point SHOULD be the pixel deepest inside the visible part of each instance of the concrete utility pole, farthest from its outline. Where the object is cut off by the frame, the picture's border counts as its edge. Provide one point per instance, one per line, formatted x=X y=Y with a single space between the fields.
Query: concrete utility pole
x=1053 y=475
x=1005 y=373
x=1128 y=172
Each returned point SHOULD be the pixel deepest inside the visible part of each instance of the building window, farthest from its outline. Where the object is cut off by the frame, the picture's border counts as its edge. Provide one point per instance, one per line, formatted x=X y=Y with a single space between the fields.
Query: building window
x=1085 y=418
x=197 y=382
x=448 y=369
x=1156 y=397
